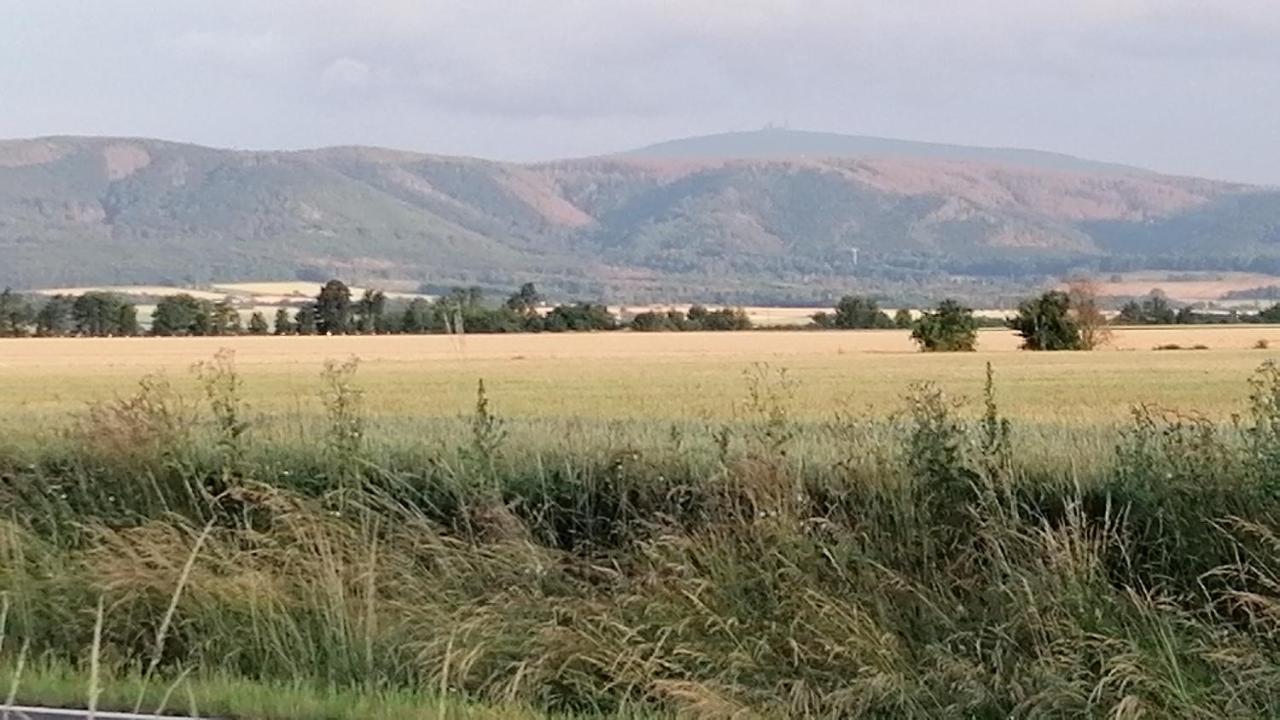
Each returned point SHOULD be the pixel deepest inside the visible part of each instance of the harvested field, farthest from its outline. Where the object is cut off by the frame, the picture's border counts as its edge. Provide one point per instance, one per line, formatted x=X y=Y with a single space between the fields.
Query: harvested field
x=1187 y=288
x=285 y=292
x=665 y=376
x=137 y=291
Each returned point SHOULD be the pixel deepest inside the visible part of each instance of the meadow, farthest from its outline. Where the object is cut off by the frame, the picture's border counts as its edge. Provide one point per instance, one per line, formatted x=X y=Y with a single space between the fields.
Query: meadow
x=723 y=525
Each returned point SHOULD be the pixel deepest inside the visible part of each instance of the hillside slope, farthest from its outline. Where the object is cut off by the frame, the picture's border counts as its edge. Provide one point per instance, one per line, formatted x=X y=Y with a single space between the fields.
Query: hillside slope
x=77 y=211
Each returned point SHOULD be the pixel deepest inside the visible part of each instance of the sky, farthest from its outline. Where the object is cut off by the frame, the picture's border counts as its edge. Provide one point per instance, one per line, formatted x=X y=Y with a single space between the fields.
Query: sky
x=1180 y=86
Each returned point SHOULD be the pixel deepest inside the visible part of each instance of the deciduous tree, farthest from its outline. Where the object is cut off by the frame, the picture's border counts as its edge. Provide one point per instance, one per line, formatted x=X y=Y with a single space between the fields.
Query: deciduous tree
x=53 y=319
x=181 y=314
x=370 y=312
x=1154 y=310
x=1086 y=310
x=16 y=315
x=856 y=312
x=333 y=309
x=1046 y=323
x=950 y=327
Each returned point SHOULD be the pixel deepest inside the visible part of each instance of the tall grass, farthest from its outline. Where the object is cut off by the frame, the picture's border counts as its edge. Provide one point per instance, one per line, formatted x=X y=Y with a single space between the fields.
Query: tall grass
x=940 y=562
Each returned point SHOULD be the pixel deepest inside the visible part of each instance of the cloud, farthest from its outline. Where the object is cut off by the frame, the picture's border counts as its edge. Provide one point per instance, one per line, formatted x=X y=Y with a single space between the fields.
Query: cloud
x=1183 y=84
x=346 y=73
x=570 y=57
x=233 y=50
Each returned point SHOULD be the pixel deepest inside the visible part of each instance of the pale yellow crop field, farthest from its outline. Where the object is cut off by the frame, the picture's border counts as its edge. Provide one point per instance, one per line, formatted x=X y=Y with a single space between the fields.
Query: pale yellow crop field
x=654 y=376
x=761 y=315
x=136 y=291
x=1185 y=287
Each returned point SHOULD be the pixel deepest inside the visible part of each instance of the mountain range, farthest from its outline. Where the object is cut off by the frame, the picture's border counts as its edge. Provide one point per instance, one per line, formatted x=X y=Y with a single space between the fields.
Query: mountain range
x=766 y=216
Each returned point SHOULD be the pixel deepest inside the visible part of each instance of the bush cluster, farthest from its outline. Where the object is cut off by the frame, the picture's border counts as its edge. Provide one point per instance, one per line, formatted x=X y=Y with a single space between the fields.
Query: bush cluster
x=698 y=318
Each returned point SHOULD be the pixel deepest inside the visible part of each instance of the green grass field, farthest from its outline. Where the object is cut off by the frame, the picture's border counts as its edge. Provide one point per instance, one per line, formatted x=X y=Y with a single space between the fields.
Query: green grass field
x=223 y=695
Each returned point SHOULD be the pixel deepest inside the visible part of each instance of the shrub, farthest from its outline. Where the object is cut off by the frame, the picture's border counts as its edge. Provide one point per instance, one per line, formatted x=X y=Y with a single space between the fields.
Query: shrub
x=223 y=388
x=345 y=434
x=1047 y=323
x=949 y=328
x=580 y=316
x=995 y=442
x=700 y=318
x=487 y=431
x=935 y=454
x=154 y=423
x=659 y=321
x=1263 y=432
x=859 y=313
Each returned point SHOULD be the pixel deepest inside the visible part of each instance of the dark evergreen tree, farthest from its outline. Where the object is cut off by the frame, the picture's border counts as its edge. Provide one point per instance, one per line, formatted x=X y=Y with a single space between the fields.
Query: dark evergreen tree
x=258 y=324
x=305 y=320
x=284 y=324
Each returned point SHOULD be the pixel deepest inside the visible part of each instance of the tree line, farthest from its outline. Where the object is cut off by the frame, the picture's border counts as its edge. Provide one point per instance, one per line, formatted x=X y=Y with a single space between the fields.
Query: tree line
x=336 y=311
x=1070 y=319
x=93 y=314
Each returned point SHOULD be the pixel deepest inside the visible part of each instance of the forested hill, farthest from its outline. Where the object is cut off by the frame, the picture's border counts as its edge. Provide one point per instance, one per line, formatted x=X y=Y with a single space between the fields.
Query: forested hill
x=657 y=223
x=774 y=143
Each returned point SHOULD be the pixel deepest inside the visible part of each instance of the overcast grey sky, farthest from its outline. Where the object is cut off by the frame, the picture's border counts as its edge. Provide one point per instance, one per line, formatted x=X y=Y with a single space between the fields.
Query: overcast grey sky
x=1176 y=85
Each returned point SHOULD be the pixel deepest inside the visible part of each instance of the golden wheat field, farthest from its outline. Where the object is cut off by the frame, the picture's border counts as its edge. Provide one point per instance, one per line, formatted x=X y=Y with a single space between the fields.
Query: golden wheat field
x=659 y=376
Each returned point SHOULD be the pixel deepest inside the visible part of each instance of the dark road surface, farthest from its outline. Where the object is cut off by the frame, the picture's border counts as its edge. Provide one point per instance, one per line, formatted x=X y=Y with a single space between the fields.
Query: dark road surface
x=16 y=712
